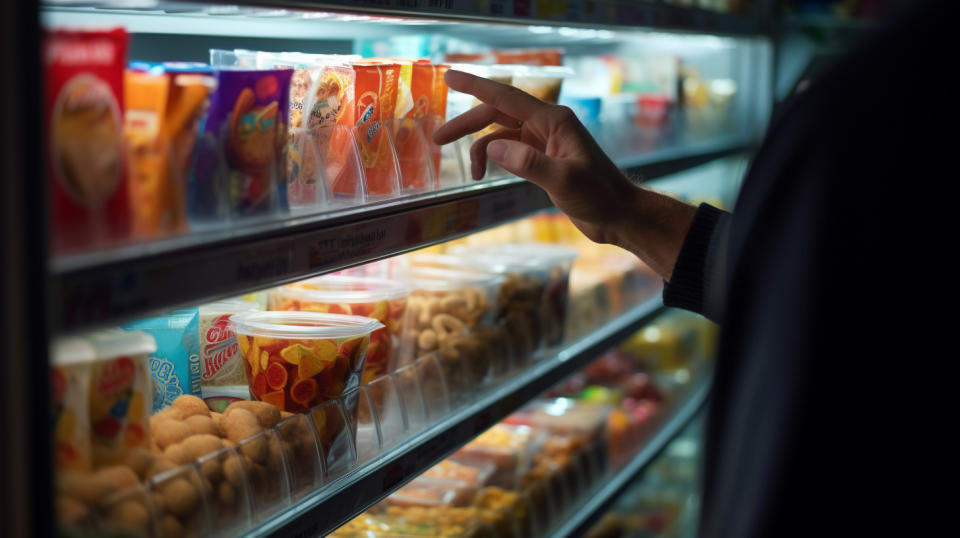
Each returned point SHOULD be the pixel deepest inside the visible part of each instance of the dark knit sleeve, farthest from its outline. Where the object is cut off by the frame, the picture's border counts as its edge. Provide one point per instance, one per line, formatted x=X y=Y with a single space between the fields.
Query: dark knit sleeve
x=698 y=281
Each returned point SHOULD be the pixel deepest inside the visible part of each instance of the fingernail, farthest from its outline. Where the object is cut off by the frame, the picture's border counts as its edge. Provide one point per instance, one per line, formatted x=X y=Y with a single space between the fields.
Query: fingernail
x=497 y=150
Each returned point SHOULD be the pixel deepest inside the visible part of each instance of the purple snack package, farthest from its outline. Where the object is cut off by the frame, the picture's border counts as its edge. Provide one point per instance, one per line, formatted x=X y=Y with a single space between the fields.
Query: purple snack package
x=247 y=117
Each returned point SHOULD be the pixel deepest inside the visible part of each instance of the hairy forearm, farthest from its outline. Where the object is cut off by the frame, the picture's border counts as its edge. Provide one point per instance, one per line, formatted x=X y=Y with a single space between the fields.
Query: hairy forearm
x=653 y=226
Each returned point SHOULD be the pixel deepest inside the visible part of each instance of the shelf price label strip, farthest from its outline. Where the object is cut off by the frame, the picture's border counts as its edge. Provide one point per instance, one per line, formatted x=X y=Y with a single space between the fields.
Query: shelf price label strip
x=109 y=293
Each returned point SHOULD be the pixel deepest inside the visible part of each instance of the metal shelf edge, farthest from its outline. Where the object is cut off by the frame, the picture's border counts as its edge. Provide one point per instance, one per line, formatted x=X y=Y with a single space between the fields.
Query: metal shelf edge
x=600 y=500
x=611 y=13
x=333 y=505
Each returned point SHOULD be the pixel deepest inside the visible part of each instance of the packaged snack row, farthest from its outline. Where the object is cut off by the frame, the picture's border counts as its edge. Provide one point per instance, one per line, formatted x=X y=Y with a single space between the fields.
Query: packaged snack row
x=516 y=479
x=148 y=150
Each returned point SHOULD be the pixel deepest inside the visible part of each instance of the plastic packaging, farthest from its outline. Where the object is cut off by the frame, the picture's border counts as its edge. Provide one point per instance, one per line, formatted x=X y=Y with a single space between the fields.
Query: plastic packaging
x=376 y=97
x=162 y=110
x=244 y=140
x=322 y=112
x=445 y=311
x=83 y=110
x=121 y=393
x=542 y=82
x=554 y=263
x=509 y=448
x=69 y=405
x=175 y=366
x=296 y=360
x=222 y=372
x=382 y=300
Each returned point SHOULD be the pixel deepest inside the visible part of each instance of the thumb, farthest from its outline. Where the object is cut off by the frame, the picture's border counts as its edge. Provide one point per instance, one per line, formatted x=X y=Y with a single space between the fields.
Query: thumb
x=523 y=160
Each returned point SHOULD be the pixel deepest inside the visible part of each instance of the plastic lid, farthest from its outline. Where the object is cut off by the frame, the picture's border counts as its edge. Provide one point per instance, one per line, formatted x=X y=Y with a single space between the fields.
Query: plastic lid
x=228 y=306
x=292 y=324
x=111 y=343
x=544 y=71
x=71 y=350
x=450 y=279
x=345 y=289
x=529 y=251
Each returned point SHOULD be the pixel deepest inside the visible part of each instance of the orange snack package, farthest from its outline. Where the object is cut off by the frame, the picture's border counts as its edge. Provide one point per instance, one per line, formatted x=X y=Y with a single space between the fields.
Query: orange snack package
x=529 y=56
x=376 y=98
x=160 y=128
x=429 y=92
x=145 y=98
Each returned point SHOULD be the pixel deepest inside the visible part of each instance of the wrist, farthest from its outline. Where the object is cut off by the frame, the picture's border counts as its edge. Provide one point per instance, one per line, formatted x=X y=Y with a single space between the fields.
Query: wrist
x=653 y=227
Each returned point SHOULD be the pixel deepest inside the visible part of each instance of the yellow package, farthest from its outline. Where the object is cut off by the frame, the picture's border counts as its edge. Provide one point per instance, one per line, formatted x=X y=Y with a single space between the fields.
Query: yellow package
x=120 y=393
x=69 y=392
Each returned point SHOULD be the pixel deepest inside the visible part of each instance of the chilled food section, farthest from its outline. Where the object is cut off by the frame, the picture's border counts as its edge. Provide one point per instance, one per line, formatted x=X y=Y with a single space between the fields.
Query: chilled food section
x=220 y=418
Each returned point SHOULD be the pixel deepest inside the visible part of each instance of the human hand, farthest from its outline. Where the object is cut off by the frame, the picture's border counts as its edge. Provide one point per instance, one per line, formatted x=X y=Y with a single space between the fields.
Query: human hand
x=547 y=145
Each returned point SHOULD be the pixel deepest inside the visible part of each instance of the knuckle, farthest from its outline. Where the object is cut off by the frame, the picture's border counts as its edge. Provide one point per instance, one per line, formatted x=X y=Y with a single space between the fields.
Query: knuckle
x=527 y=160
x=564 y=113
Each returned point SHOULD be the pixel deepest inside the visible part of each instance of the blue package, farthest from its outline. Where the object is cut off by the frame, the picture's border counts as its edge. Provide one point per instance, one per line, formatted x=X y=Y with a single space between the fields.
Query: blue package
x=585 y=108
x=175 y=367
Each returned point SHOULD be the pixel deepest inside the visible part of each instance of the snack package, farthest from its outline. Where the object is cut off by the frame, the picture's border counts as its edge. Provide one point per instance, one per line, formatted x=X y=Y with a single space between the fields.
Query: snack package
x=222 y=377
x=297 y=360
x=376 y=98
x=544 y=83
x=245 y=137
x=175 y=366
x=69 y=406
x=414 y=140
x=83 y=111
x=120 y=393
x=405 y=99
x=321 y=112
x=163 y=108
x=529 y=56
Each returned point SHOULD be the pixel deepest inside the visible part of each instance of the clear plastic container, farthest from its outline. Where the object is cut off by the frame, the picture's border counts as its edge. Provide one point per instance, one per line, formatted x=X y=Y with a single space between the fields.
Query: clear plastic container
x=296 y=360
x=427 y=492
x=382 y=300
x=121 y=393
x=509 y=448
x=471 y=472
x=542 y=82
x=443 y=314
x=552 y=263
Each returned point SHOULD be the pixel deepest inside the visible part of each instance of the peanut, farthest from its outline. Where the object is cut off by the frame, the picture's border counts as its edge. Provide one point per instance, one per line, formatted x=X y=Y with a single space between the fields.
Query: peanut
x=170 y=526
x=130 y=516
x=268 y=415
x=169 y=432
x=191 y=405
x=212 y=470
x=226 y=493
x=233 y=470
x=240 y=424
x=71 y=512
x=180 y=496
x=202 y=424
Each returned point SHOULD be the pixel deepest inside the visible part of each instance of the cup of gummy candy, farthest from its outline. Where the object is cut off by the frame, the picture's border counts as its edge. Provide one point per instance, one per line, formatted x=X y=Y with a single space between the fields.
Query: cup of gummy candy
x=298 y=360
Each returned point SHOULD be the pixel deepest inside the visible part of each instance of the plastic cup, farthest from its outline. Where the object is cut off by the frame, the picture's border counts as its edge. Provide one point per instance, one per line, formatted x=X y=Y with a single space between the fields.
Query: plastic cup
x=382 y=300
x=296 y=360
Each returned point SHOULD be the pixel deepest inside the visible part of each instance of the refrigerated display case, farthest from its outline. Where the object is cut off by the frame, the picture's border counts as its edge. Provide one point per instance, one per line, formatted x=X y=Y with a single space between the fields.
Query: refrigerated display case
x=663 y=87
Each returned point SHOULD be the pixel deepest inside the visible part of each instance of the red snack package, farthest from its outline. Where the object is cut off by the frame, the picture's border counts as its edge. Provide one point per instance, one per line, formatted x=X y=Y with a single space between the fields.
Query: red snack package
x=529 y=56
x=83 y=115
x=376 y=99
